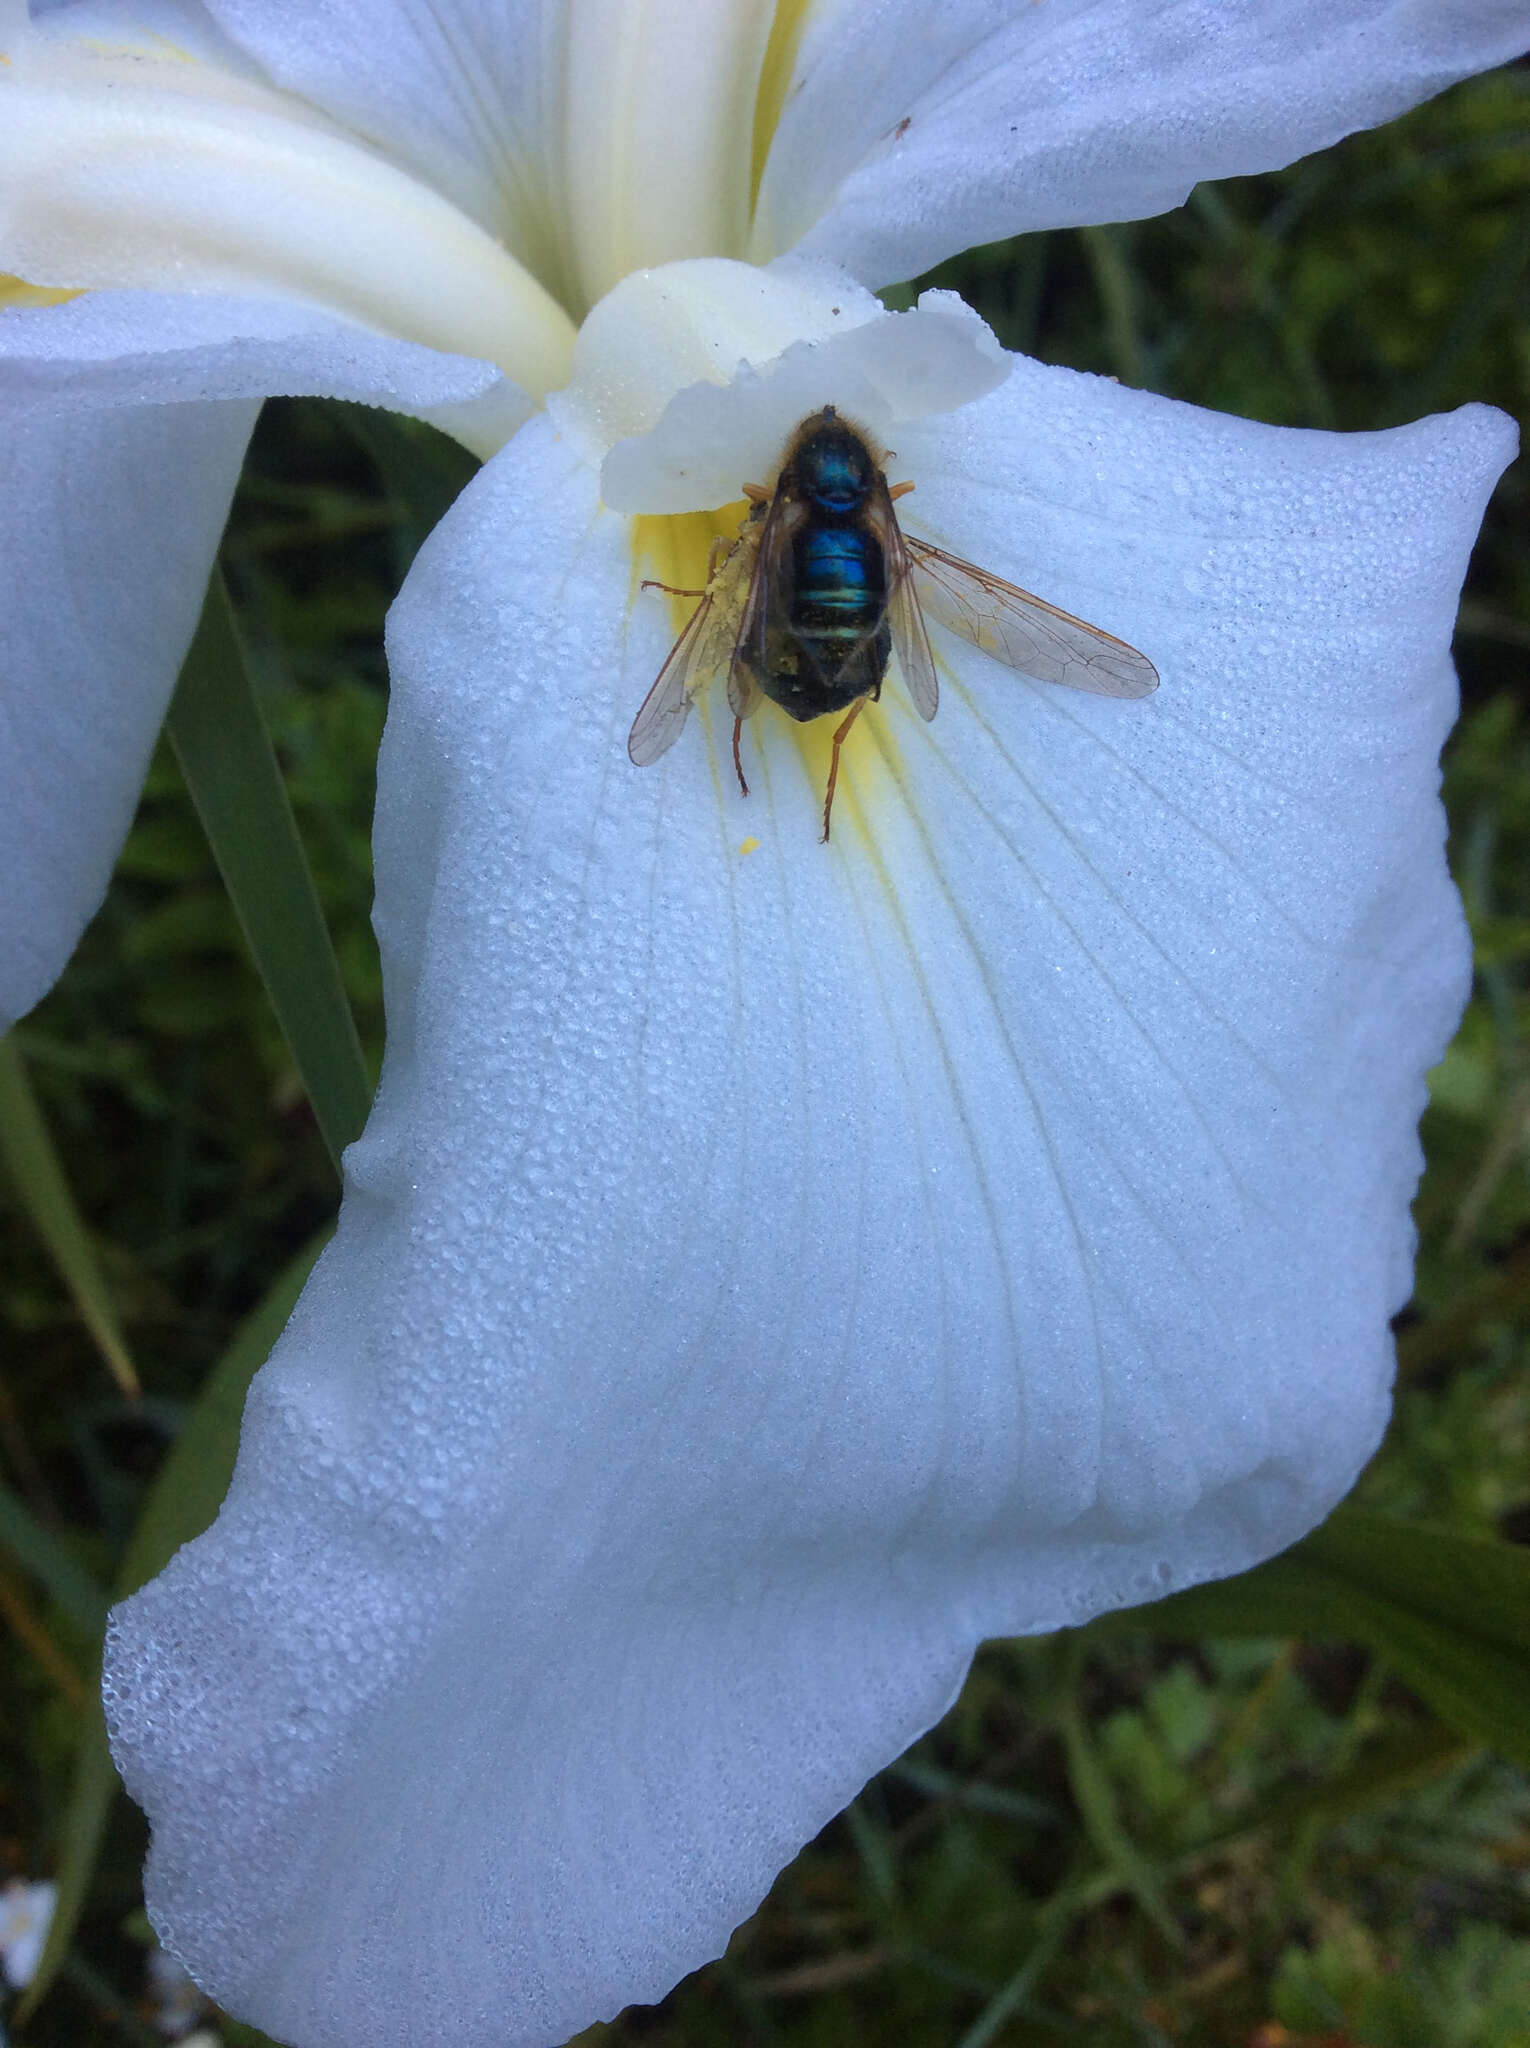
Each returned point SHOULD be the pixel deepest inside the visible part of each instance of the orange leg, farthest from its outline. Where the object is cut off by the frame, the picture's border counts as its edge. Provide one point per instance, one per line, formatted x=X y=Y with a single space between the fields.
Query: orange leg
x=899 y=490
x=839 y=740
x=738 y=766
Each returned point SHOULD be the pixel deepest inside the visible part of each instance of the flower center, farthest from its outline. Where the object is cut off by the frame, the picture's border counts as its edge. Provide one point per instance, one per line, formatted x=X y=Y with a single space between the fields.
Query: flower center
x=693 y=382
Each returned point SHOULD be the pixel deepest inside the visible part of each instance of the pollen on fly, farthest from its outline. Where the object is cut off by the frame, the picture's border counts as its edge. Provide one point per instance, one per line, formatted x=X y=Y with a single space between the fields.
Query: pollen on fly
x=808 y=602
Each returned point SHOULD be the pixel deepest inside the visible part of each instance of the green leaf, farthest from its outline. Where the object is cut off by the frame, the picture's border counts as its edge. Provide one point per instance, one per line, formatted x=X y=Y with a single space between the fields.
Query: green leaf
x=190 y=1485
x=225 y=752
x=27 y=1148
x=1450 y=1613
x=422 y=469
x=50 y=1561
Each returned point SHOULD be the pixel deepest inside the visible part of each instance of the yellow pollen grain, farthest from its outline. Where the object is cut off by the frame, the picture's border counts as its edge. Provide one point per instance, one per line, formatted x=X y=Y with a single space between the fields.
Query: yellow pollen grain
x=749 y=845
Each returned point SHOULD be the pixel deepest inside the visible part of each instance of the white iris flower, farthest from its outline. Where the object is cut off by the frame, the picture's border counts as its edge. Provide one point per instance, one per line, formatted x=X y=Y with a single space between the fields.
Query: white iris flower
x=770 y=1267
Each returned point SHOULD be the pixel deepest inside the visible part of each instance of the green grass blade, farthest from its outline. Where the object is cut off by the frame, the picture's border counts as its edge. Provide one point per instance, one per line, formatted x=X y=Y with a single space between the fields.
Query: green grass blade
x=182 y=1502
x=1051 y=1930
x=190 y=1485
x=1389 y=1771
x=1498 y=285
x=85 y=1818
x=1115 y=282
x=1096 y=1801
x=422 y=469
x=33 y=1164
x=225 y=752
x=52 y=1563
x=1450 y=1613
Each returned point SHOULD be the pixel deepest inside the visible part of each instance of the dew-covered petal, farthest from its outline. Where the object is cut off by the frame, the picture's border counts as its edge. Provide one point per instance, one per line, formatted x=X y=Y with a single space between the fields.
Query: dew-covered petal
x=142 y=348
x=125 y=421
x=911 y=132
x=109 y=521
x=771 y=1267
x=688 y=379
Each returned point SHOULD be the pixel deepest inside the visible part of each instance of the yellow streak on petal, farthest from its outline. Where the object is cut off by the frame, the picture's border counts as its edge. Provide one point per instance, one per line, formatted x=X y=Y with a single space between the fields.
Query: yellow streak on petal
x=674 y=549
x=786 y=32
x=659 y=104
x=15 y=291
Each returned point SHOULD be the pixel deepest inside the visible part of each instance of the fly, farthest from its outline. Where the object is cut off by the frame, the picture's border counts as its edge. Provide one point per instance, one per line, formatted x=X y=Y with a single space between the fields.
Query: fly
x=821 y=585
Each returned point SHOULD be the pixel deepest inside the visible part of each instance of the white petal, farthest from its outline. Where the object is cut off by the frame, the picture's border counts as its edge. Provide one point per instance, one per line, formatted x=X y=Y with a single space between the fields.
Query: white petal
x=141 y=348
x=767 y=1272
x=657 y=148
x=148 y=168
x=457 y=90
x=125 y=419
x=912 y=132
x=109 y=521
x=660 y=331
x=689 y=378
x=595 y=136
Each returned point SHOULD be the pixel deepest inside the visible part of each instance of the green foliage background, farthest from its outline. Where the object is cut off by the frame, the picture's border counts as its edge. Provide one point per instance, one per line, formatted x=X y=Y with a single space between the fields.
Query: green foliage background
x=1286 y=1812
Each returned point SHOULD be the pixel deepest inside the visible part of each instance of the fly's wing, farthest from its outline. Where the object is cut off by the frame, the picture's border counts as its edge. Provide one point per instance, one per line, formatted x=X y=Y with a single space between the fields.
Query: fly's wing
x=1025 y=632
x=667 y=706
x=904 y=614
x=760 y=558
x=744 y=694
x=704 y=647
x=770 y=587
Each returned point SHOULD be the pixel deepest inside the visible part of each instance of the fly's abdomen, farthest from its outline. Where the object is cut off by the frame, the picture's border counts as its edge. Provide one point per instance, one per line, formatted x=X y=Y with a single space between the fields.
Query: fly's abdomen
x=838 y=620
x=841 y=587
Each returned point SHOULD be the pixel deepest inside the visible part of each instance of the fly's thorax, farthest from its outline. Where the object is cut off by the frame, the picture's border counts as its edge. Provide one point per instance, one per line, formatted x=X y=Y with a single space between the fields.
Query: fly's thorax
x=830 y=466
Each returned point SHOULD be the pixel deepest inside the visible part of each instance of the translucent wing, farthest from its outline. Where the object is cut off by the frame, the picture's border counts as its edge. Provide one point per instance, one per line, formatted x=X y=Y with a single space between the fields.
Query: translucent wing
x=1025 y=632
x=770 y=585
x=705 y=647
x=667 y=706
x=904 y=615
x=744 y=694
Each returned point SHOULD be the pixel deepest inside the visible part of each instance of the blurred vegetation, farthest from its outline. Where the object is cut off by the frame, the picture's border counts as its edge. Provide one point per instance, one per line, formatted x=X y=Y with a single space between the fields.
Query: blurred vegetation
x=1142 y=1834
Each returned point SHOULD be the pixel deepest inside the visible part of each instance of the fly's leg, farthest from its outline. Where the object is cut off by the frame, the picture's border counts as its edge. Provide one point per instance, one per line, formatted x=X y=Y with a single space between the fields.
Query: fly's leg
x=718 y=548
x=839 y=740
x=738 y=766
